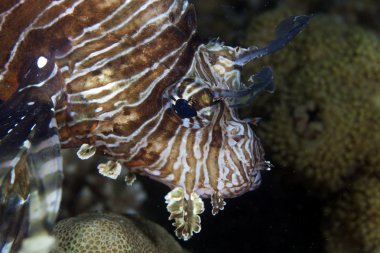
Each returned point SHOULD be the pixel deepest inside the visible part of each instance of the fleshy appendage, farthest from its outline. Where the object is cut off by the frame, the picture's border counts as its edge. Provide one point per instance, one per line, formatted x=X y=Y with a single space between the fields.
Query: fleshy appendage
x=111 y=169
x=86 y=151
x=286 y=31
x=217 y=203
x=184 y=209
x=257 y=83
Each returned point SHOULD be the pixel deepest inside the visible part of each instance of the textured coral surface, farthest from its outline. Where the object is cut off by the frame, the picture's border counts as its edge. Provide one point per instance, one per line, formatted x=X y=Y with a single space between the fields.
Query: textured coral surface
x=324 y=119
x=111 y=233
x=354 y=218
x=323 y=122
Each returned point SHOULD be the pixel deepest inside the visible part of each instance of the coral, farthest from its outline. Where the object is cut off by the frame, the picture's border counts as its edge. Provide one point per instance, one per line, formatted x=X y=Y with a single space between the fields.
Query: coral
x=354 y=218
x=324 y=119
x=100 y=232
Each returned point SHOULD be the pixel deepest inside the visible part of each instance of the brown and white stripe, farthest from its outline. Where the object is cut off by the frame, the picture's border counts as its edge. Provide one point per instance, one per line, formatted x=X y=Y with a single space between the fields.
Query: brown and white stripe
x=116 y=60
x=113 y=74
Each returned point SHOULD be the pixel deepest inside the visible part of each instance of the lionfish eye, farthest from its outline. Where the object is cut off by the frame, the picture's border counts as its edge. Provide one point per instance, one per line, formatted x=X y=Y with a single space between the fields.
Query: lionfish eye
x=36 y=70
x=192 y=103
x=184 y=110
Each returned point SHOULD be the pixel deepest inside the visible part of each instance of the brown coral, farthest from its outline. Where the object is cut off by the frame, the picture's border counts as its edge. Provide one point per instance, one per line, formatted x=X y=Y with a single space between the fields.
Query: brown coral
x=100 y=232
x=354 y=218
x=323 y=122
x=325 y=116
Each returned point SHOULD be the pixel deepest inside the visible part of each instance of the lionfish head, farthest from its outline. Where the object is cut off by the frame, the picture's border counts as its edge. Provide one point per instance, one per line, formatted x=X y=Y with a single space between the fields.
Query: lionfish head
x=224 y=149
x=204 y=103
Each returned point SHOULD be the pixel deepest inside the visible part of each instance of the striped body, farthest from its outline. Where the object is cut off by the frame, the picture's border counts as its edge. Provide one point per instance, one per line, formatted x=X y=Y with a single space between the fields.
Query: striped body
x=115 y=68
x=131 y=78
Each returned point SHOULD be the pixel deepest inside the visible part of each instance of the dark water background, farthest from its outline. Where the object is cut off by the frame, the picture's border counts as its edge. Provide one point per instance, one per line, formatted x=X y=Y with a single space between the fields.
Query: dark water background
x=278 y=217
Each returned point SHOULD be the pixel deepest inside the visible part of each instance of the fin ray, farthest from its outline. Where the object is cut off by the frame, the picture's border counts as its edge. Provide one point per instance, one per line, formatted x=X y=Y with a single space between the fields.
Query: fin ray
x=30 y=167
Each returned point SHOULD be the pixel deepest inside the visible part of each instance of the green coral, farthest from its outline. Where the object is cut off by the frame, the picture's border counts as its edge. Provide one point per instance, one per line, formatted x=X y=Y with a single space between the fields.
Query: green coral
x=324 y=119
x=354 y=218
x=105 y=232
x=323 y=122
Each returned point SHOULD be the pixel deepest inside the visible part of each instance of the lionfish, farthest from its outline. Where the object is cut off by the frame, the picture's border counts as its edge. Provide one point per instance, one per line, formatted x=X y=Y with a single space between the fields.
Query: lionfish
x=131 y=79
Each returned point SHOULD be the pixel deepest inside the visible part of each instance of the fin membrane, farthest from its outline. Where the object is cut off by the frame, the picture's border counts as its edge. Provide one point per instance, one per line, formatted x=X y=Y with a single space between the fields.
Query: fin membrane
x=286 y=31
x=30 y=167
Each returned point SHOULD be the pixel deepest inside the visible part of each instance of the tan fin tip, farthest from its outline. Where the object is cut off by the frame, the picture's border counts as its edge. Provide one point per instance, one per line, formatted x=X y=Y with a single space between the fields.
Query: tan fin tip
x=86 y=151
x=111 y=169
x=185 y=210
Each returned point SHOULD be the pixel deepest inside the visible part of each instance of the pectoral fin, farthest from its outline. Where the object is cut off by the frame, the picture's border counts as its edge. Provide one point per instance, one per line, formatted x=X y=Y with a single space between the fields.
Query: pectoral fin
x=30 y=168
